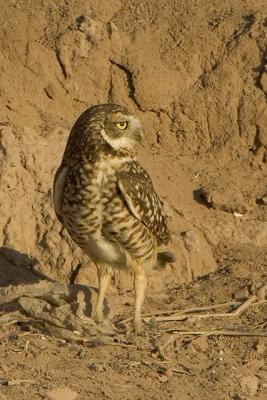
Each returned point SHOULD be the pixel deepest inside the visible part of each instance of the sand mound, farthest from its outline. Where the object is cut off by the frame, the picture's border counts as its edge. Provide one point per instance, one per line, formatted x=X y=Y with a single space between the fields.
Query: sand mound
x=202 y=100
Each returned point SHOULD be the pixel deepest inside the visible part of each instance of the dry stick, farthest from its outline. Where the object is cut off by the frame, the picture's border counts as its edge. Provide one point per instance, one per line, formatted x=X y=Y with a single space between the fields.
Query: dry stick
x=172 y=362
x=13 y=382
x=184 y=311
x=176 y=334
x=217 y=333
x=99 y=340
x=154 y=365
x=193 y=309
x=177 y=371
x=236 y=313
x=241 y=309
x=180 y=313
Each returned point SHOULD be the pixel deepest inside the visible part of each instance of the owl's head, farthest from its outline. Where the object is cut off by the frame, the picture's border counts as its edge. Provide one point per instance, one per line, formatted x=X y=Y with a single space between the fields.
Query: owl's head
x=111 y=124
x=121 y=130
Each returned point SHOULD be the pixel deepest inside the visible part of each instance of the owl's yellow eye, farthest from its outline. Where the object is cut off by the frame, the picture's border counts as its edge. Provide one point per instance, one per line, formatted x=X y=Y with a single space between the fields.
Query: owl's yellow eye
x=122 y=125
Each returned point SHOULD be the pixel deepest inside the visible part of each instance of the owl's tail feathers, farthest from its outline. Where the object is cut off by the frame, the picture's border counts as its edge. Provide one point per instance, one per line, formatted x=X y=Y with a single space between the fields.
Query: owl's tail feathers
x=163 y=258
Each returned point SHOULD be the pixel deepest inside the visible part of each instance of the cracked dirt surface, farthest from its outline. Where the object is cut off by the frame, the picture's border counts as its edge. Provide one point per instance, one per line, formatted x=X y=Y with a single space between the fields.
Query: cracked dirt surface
x=195 y=72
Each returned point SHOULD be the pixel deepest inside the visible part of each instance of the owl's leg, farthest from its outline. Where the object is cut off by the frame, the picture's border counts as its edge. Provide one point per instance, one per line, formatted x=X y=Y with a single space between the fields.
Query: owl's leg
x=104 y=274
x=140 y=283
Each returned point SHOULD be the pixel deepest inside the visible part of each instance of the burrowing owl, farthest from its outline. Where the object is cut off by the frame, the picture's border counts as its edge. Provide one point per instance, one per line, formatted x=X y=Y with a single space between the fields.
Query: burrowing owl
x=107 y=202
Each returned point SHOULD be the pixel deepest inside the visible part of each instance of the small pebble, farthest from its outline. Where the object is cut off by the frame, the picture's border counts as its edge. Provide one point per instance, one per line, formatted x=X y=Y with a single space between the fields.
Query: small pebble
x=97 y=367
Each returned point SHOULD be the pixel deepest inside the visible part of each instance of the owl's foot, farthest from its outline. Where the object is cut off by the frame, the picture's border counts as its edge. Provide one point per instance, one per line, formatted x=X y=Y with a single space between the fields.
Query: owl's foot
x=97 y=313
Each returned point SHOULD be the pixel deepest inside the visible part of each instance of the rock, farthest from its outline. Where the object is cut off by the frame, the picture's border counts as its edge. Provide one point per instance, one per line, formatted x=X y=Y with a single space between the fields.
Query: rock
x=225 y=199
x=61 y=394
x=242 y=231
x=263 y=199
x=97 y=367
x=263 y=81
x=249 y=385
x=92 y=28
x=241 y=294
x=198 y=254
x=260 y=347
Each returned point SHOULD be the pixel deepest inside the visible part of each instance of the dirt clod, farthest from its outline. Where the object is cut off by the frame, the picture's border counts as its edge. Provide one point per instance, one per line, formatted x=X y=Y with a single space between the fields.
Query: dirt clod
x=201 y=343
x=249 y=385
x=61 y=394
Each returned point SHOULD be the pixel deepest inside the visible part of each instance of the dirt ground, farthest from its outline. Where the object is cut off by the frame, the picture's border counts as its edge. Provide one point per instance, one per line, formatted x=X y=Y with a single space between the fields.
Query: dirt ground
x=195 y=72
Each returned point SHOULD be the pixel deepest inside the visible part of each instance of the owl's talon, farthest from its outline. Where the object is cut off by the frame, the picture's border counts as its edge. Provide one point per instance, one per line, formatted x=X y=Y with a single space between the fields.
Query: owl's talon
x=97 y=315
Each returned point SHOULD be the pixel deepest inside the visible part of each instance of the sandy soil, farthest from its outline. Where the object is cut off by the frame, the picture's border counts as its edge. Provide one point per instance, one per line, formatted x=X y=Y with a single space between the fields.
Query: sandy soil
x=195 y=72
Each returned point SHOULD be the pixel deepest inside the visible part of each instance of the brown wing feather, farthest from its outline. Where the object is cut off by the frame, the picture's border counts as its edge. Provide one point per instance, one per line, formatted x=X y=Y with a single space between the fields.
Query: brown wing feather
x=58 y=188
x=137 y=190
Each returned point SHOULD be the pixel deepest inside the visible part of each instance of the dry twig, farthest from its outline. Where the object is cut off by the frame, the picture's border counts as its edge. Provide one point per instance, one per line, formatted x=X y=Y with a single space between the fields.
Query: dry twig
x=192 y=313
x=13 y=382
x=181 y=313
x=219 y=332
